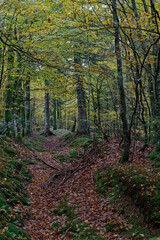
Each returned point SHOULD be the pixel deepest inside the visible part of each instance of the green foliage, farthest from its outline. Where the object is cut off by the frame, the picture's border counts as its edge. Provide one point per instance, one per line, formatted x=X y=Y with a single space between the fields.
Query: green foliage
x=77 y=228
x=73 y=154
x=155 y=157
x=62 y=132
x=13 y=172
x=66 y=136
x=36 y=142
x=10 y=151
x=110 y=226
x=62 y=158
x=38 y=129
x=143 y=186
x=81 y=142
x=99 y=138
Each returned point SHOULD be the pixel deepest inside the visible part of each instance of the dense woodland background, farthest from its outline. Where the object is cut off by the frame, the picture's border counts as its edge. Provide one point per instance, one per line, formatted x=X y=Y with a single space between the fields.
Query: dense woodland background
x=88 y=66
x=80 y=119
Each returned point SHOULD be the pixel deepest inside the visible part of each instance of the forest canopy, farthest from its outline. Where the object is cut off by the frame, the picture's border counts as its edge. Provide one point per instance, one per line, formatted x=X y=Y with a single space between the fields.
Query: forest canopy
x=87 y=66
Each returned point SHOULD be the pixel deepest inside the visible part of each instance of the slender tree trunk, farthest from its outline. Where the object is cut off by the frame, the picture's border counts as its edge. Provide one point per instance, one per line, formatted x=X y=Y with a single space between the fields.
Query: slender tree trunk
x=59 y=115
x=2 y=62
x=23 y=114
x=95 y=113
x=9 y=95
x=46 y=111
x=125 y=156
x=81 y=100
x=89 y=83
x=9 y=110
x=27 y=107
x=54 y=114
x=74 y=124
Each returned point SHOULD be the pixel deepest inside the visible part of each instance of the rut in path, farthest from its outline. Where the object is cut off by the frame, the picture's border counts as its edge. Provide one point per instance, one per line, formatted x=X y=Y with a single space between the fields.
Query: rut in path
x=91 y=208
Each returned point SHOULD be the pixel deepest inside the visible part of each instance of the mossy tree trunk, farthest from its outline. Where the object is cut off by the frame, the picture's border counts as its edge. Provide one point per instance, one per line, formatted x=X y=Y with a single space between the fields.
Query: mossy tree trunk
x=81 y=99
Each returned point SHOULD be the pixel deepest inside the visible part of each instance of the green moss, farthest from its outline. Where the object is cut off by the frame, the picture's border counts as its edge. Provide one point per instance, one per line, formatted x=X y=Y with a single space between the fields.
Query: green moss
x=12 y=173
x=73 y=154
x=66 y=136
x=62 y=158
x=77 y=228
x=142 y=185
x=81 y=142
x=2 y=237
x=110 y=226
x=155 y=157
x=10 y=151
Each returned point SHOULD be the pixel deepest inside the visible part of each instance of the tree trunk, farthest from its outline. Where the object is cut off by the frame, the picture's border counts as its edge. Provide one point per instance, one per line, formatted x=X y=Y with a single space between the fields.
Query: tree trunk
x=95 y=114
x=9 y=96
x=47 y=131
x=81 y=101
x=28 y=108
x=54 y=114
x=59 y=115
x=9 y=110
x=125 y=156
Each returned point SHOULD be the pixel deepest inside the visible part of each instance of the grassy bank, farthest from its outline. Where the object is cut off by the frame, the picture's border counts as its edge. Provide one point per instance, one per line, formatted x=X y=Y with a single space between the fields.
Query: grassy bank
x=13 y=198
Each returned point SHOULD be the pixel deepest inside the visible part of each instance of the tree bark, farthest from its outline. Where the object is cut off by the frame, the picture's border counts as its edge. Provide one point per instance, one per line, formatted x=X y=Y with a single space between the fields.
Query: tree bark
x=47 y=131
x=125 y=156
x=81 y=100
x=27 y=107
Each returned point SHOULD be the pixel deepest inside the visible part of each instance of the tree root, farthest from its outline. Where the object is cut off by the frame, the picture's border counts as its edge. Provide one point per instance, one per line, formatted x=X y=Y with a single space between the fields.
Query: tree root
x=36 y=157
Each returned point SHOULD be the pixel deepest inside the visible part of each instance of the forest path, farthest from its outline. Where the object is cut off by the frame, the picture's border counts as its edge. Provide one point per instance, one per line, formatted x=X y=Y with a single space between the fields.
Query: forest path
x=91 y=208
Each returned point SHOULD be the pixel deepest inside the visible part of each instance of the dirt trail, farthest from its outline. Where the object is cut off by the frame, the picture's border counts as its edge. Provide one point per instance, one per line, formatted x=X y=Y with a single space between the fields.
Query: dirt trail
x=91 y=208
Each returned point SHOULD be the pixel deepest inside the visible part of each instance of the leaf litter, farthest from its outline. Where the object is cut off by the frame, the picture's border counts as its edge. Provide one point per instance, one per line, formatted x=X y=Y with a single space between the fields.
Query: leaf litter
x=91 y=208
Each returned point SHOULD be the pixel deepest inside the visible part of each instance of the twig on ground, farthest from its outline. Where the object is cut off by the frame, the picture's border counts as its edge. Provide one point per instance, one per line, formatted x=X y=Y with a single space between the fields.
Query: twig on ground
x=64 y=179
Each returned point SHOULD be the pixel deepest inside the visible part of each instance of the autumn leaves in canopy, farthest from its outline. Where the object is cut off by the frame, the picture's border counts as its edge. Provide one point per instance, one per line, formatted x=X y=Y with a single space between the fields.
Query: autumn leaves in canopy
x=94 y=61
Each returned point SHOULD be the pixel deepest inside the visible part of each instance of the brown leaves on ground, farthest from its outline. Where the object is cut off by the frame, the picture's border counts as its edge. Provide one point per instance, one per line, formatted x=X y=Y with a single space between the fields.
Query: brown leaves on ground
x=91 y=208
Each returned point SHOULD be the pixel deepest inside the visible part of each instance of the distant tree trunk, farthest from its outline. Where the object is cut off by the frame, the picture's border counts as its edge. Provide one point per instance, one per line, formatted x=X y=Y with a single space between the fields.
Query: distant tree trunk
x=54 y=114
x=59 y=115
x=89 y=83
x=9 y=96
x=15 y=124
x=81 y=101
x=74 y=124
x=157 y=79
x=47 y=131
x=125 y=156
x=2 y=63
x=23 y=114
x=33 y=119
x=27 y=107
x=8 y=110
x=99 y=114
x=95 y=113
x=68 y=120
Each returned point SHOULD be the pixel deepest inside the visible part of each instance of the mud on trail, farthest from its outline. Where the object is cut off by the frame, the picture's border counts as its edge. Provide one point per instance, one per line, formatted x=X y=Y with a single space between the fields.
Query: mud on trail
x=78 y=193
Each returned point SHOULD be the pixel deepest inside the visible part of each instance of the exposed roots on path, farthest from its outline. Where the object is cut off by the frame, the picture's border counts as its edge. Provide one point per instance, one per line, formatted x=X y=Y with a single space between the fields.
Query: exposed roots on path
x=62 y=176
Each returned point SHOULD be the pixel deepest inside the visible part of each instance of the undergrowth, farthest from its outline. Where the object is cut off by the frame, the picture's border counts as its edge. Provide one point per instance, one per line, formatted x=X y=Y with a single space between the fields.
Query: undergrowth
x=140 y=183
x=81 y=142
x=155 y=157
x=36 y=142
x=13 y=171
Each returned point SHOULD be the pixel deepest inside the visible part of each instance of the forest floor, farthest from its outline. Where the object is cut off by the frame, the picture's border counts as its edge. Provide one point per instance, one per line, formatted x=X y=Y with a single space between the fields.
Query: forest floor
x=64 y=200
